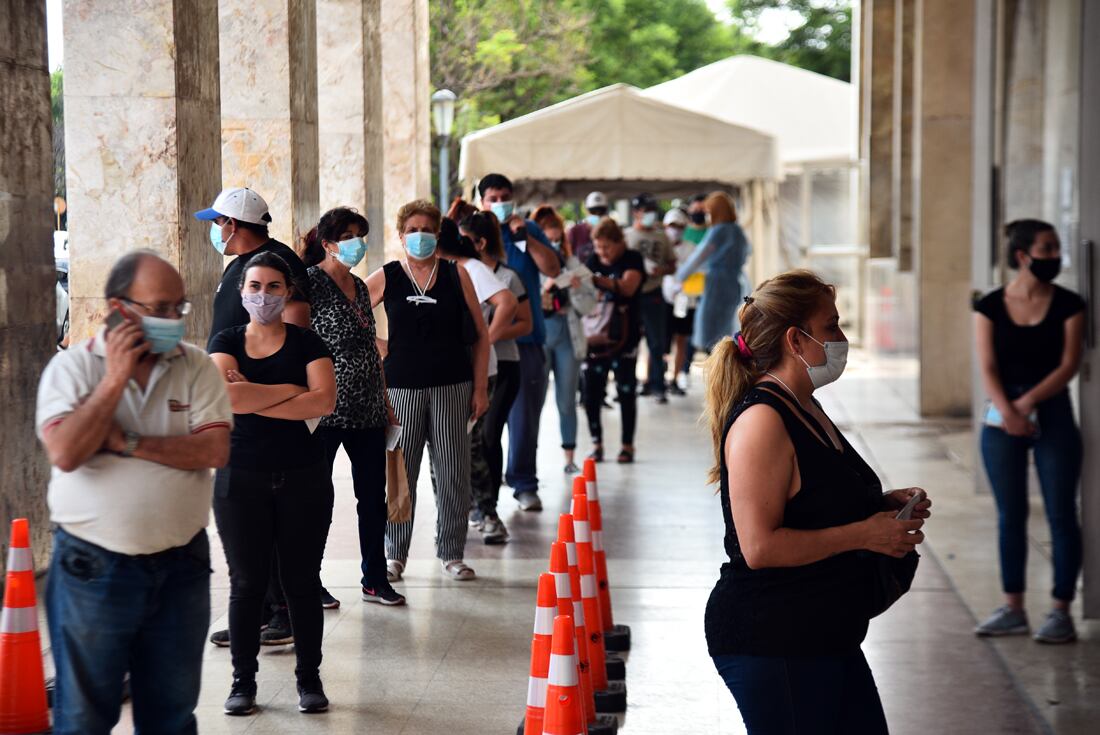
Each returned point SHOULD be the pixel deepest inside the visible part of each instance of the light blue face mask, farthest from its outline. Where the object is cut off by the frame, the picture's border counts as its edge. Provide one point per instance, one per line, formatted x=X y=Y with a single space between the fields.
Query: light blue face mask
x=593 y=219
x=162 y=334
x=216 y=238
x=649 y=219
x=351 y=251
x=503 y=210
x=420 y=245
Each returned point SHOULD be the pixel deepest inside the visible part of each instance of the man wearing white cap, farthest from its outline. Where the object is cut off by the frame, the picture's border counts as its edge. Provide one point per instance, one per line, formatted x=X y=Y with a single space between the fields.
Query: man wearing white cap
x=239 y=220
x=580 y=234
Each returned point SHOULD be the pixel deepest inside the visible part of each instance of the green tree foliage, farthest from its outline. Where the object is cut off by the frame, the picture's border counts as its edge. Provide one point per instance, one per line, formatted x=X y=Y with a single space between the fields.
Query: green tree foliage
x=820 y=39
x=57 y=106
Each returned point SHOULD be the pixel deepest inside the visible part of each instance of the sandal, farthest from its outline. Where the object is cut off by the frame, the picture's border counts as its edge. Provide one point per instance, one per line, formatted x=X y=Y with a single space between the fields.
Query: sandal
x=394 y=570
x=596 y=455
x=457 y=569
x=626 y=456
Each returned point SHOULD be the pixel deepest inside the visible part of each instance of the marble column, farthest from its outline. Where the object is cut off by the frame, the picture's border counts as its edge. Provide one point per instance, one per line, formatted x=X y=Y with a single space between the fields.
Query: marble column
x=902 y=179
x=879 y=75
x=142 y=144
x=27 y=306
x=269 y=107
x=943 y=125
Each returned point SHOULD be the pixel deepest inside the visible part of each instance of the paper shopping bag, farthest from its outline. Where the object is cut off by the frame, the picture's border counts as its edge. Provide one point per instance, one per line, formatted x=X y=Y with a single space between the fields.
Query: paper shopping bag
x=398 y=498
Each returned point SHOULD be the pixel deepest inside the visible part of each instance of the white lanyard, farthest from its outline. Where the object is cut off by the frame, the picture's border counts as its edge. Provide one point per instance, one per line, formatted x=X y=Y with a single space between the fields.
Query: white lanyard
x=421 y=296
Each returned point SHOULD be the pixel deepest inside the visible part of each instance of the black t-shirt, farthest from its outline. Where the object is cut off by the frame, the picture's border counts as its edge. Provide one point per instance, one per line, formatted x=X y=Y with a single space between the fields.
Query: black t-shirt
x=1025 y=355
x=631 y=260
x=228 y=311
x=259 y=442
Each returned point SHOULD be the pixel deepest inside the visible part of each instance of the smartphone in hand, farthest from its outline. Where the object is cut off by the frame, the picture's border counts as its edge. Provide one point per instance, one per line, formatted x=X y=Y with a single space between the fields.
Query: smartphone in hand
x=906 y=513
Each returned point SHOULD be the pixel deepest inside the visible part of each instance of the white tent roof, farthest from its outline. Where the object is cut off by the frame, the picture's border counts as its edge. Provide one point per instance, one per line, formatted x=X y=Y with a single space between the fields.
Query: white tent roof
x=810 y=114
x=617 y=134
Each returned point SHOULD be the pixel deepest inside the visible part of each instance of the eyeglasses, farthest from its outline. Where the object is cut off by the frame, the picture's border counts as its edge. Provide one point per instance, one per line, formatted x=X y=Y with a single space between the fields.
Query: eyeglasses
x=164 y=311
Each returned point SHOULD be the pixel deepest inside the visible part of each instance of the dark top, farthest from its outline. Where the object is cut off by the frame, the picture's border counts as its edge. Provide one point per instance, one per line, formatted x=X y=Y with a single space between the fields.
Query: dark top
x=259 y=442
x=521 y=262
x=228 y=311
x=1026 y=355
x=426 y=349
x=348 y=331
x=631 y=260
x=819 y=609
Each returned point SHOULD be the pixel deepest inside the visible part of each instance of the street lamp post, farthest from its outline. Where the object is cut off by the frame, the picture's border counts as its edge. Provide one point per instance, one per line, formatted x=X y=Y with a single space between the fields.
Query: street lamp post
x=443 y=110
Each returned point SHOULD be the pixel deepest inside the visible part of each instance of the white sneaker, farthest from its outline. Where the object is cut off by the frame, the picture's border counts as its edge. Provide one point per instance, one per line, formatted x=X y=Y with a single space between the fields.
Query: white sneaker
x=493 y=530
x=682 y=381
x=529 y=500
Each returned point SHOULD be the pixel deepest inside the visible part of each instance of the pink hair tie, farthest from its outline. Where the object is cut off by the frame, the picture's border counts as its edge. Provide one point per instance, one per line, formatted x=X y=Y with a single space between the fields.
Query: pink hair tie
x=742 y=347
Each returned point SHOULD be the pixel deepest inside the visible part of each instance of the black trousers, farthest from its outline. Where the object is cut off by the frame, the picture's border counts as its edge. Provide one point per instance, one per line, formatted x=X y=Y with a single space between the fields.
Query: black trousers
x=258 y=513
x=366 y=448
x=492 y=428
x=596 y=371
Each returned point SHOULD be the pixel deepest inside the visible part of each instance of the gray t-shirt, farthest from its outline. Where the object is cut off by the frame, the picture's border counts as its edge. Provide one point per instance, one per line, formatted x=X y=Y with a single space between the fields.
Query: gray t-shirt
x=655 y=250
x=506 y=349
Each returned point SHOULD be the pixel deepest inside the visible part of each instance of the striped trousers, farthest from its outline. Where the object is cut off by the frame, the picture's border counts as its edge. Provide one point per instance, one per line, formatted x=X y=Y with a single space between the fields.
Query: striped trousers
x=436 y=417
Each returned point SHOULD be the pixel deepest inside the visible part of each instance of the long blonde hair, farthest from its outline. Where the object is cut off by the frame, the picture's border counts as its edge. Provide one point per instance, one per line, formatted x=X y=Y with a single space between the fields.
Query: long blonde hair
x=788 y=300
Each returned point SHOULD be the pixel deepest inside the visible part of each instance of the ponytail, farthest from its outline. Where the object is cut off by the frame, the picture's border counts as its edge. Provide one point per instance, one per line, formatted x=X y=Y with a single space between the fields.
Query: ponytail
x=729 y=376
x=333 y=223
x=310 y=249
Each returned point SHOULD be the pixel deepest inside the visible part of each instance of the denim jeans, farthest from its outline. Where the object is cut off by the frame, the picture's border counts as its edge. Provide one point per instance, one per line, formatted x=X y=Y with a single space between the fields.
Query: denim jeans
x=366 y=448
x=561 y=360
x=523 y=420
x=655 y=323
x=1058 y=463
x=826 y=695
x=259 y=513
x=111 y=613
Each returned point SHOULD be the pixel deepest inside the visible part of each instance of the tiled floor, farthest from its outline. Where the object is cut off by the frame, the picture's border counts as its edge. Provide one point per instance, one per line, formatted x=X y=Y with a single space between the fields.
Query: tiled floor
x=455 y=660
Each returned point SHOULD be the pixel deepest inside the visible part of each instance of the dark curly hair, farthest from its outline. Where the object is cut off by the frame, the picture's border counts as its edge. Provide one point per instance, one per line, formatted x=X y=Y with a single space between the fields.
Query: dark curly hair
x=333 y=223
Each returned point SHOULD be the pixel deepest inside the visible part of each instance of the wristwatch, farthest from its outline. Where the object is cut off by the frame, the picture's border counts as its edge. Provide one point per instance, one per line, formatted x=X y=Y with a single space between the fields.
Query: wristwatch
x=132 y=439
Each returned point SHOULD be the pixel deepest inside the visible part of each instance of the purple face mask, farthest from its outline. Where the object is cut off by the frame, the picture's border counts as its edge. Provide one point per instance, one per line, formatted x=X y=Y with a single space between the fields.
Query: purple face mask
x=264 y=307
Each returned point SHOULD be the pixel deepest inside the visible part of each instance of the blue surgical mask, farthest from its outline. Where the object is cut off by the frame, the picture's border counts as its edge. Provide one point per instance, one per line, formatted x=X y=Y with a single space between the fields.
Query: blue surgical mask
x=216 y=238
x=593 y=219
x=503 y=210
x=649 y=219
x=420 y=245
x=162 y=334
x=351 y=251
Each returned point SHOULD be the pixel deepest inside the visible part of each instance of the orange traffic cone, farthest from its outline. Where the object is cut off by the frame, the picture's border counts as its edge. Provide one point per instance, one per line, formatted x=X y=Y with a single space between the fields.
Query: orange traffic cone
x=576 y=611
x=564 y=711
x=615 y=637
x=22 y=683
x=540 y=656
x=559 y=567
x=610 y=695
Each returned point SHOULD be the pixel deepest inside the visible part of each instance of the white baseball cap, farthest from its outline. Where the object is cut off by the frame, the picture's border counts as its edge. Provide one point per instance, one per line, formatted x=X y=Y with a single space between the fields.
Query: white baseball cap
x=676 y=216
x=241 y=204
x=594 y=200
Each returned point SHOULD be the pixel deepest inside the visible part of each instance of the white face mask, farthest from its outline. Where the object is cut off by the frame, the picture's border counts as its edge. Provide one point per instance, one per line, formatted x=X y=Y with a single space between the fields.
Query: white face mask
x=836 y=358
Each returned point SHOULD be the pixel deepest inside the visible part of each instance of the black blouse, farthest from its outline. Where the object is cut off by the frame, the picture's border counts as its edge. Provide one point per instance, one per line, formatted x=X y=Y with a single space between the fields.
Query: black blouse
x=1027 y=354
x=348 y=329
x=819 y=609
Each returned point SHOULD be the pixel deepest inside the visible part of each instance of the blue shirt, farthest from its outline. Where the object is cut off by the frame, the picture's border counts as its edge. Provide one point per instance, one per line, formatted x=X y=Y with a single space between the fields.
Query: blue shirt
x=524 y=264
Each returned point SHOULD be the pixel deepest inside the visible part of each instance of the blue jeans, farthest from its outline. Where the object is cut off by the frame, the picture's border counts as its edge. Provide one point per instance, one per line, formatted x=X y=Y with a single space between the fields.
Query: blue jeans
x=567 y=369
x=1058 y=462
x=826 y=695
x=523 y=420
x=655 y=315
x=112 y=613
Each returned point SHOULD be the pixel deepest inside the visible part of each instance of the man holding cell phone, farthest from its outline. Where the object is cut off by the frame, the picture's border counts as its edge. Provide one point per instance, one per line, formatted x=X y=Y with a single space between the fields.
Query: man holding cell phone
x=133 y=420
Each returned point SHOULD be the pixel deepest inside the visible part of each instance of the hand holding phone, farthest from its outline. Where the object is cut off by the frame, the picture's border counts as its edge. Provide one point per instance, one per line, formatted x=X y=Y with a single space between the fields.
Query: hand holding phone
x=906 y=513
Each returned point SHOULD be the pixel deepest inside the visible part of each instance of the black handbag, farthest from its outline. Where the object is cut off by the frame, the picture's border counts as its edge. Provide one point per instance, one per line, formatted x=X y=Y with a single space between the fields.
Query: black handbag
x=892 y=578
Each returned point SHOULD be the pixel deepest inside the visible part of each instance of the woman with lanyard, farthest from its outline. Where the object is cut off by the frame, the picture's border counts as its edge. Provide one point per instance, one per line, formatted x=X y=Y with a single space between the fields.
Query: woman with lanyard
x=802 y=510
x=276 y=493
x=343 y=318
x=498 y=306
x=437 y=387
x=483 y=229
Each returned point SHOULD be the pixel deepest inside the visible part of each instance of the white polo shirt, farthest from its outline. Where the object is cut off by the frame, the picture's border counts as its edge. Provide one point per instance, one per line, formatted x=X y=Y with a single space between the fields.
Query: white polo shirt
x=124 y=504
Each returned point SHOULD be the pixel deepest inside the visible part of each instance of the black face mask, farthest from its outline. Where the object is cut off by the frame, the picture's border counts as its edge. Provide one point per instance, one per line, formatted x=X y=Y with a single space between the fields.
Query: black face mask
x=1046 y=269
x=699 y=218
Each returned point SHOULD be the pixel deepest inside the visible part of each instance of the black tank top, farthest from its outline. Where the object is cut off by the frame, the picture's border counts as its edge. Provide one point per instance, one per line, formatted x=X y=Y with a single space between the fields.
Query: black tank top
x=426 y=348
x=819 y=609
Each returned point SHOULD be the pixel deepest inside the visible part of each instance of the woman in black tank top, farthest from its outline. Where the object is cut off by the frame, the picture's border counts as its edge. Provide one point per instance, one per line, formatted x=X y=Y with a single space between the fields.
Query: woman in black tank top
x=806 y=521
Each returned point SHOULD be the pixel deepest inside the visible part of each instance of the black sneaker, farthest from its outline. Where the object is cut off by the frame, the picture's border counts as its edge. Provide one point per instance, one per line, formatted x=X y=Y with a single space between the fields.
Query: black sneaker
x=676 y=390
x=278 y=631
x=328 y=601
x=383 y=594
x=242 y=697
x=311 y=695
x=220 y=638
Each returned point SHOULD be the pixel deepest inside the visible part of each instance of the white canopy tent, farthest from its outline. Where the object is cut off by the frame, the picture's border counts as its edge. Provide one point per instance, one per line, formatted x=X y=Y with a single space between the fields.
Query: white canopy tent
x=622 y=142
